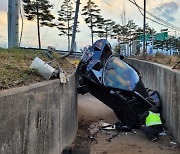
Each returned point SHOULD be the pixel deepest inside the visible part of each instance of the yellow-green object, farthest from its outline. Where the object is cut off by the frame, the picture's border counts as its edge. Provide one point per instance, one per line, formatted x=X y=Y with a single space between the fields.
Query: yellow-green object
x=153 y=119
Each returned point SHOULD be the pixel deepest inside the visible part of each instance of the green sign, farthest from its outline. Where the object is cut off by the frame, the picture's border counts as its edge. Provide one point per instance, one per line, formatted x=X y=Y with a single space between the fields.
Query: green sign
x=162 y=36
x=147 y=37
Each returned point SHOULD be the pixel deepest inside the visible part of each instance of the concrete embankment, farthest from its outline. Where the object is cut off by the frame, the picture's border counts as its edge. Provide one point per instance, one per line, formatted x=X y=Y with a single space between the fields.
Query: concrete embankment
x=167 y=82
x=38 y=119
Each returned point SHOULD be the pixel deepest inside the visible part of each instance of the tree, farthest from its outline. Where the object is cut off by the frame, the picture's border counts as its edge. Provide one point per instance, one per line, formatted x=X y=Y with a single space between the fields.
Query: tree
x=124 y=32
x=132 y=27
x=138 y=32
x=150 y=30
x=131 y=33
x=106 y=26
x=39 y=10
x=116 y=32
x=92 y=16
x=66 y=18
x=178 y=44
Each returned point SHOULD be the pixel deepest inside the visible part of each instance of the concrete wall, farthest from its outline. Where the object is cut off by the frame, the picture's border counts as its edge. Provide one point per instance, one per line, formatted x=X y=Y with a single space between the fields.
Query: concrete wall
x=167 y=82
x=38 y=119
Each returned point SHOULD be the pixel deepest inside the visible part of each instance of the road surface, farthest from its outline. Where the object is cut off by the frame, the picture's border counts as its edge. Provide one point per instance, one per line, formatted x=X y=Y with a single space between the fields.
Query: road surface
x=91 y=111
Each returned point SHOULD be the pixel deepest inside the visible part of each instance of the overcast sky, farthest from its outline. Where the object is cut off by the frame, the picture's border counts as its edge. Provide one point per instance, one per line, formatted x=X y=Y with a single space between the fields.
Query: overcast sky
x=167 y=10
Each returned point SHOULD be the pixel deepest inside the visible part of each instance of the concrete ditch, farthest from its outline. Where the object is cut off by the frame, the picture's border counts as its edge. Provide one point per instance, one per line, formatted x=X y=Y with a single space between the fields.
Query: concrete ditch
x=42 y=118
x=38 y=119
x=167 y=82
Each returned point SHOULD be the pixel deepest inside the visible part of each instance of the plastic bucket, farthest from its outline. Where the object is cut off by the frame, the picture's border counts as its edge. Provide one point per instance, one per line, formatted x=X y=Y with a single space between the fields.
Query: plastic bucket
x=42 y=68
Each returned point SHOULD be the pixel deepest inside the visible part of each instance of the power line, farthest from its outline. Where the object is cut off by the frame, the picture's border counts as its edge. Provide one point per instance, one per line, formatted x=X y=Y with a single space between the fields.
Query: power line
x=160 y=21
x=157 y=8
x=150 y=18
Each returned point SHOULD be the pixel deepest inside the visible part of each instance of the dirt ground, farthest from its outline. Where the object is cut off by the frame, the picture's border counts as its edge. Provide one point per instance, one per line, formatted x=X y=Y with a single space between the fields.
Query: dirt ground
x=91 y=111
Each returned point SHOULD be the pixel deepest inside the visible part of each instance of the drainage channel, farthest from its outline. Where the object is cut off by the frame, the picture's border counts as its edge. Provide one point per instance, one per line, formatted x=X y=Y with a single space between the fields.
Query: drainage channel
x=82 y=143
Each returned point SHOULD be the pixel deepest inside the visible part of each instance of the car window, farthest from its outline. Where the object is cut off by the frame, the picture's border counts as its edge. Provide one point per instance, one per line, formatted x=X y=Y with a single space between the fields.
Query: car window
x=120 y=75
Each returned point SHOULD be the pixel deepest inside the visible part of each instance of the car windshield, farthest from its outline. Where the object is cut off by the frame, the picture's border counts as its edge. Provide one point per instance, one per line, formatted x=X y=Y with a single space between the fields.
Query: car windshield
x=118 y=74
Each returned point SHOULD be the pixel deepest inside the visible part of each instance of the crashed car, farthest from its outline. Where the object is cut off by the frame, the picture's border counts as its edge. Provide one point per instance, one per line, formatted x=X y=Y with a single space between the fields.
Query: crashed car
x=115 y=83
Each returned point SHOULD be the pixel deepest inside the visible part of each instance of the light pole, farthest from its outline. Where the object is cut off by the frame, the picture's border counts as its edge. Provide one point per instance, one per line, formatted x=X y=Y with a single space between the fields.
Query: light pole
x=13 y=23
x=74 y=30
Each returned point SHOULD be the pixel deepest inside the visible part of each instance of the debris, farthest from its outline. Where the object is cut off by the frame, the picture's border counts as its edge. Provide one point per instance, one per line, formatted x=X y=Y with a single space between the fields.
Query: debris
x=93 y=130
x=63 y=77
x=154 y=139
x=134 y=132
x=42 y=68
x=121 y=127
x=49 y=51
x=162 y=134
x=106 y=126
x=116 y=127
x=47 y=71
x=109 y=139
x=173 y=144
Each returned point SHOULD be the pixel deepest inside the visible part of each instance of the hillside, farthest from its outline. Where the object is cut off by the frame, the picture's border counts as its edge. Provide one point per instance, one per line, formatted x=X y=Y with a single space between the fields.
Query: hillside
x=15 y=63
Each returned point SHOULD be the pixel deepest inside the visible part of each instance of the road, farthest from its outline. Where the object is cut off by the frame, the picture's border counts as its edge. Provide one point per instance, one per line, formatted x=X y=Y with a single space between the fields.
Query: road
x=91 y=111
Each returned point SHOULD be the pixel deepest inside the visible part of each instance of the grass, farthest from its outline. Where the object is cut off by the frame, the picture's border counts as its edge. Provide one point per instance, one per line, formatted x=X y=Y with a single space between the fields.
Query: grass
x=163 y=59
x=14 y=66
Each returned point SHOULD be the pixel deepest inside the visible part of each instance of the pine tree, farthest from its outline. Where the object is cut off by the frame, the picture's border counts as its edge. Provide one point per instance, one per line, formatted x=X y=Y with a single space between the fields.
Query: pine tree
x=131 y=29
x=138 y=32
x=92 y=17
x=116 y=32
x=41 y=11
x=130 y=34
x=107 y=28
x=66 y=18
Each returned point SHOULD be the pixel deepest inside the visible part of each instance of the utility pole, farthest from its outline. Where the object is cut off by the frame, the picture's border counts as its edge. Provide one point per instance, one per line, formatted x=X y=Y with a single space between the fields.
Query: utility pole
x=38 y=27
x=144 y=29
x=13 y=23
x=74 y=30
x=92 y=39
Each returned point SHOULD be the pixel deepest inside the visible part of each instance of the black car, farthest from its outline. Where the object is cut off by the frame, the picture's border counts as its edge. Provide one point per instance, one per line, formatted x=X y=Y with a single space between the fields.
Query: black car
x=114 y=82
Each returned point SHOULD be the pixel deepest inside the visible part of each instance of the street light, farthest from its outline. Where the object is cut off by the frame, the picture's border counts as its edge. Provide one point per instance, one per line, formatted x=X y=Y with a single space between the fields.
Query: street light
x=74 y=30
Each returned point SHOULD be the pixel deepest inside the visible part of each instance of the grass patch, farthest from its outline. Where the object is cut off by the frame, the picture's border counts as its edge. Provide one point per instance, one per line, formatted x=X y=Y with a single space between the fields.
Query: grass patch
x=14 y=66
x=162 y=59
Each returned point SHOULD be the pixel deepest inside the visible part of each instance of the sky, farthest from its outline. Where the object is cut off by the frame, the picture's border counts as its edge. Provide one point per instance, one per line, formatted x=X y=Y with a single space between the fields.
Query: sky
x=167 y=10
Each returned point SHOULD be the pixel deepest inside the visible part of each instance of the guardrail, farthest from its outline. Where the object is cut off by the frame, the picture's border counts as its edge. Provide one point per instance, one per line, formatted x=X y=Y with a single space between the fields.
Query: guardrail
x=74 y=54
